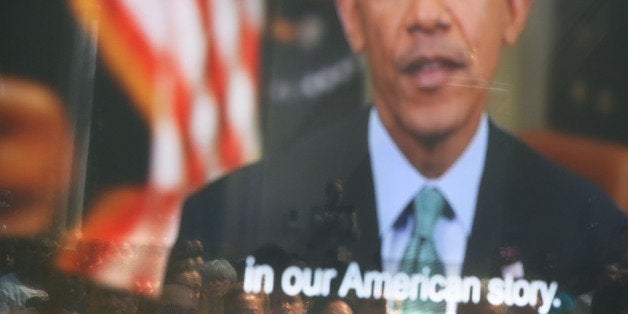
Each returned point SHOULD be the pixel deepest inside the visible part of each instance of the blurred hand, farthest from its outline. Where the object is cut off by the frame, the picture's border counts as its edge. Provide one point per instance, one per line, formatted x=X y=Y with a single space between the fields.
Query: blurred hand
x=35 y=155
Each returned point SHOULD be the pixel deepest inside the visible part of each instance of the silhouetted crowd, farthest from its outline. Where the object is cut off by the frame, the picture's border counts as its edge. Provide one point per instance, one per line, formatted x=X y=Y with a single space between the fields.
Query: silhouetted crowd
x=194 y=283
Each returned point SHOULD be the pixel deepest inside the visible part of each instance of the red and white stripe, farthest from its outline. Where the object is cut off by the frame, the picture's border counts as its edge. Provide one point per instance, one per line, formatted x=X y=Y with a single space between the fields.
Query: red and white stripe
x=192 y=68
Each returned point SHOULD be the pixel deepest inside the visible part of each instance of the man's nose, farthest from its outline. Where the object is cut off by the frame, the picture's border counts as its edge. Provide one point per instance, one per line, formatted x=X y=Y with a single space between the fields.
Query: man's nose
x=428 y=16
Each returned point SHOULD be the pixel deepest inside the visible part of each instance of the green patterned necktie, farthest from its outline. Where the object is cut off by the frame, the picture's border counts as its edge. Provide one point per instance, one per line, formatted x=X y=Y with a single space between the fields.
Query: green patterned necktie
x=429 y=205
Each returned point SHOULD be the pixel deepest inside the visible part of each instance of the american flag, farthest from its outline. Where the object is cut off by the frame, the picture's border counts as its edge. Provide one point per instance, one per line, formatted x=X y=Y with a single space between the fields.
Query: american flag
x=191 y=68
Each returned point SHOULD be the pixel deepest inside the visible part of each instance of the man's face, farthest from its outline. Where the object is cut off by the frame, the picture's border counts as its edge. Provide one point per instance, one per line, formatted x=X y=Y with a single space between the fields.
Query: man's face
x=431 y=61
x=249 y=303
x=190 y=279
x=284 y=304
x=216 y=287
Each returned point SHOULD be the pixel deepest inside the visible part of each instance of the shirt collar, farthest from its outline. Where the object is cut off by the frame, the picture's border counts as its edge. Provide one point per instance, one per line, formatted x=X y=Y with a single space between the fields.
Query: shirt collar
x=396 y=181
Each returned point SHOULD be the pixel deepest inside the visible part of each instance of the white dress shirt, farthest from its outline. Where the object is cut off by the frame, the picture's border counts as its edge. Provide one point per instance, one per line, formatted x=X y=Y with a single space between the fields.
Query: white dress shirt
x=397 y=182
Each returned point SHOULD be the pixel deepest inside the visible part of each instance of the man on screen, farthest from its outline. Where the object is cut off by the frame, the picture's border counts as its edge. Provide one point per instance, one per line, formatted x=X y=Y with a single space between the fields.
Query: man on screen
x=434 y=183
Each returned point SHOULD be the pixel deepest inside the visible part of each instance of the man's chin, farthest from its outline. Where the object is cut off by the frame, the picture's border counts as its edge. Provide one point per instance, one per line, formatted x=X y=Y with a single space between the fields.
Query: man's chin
x=431 y=132
x=433 y=138
x=433 y=125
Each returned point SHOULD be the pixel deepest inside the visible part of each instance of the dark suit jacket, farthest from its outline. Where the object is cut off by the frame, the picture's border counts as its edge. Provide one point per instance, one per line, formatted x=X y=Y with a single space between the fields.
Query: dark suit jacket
x=562 y=227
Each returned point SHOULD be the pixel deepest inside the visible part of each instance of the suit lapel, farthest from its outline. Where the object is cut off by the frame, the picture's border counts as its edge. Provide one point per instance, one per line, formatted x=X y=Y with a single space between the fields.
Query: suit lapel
x=360 y=193
x=487 y=232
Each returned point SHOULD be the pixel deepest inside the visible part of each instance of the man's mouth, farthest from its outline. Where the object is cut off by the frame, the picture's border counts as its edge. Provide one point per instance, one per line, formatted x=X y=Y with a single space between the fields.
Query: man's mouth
x=432 y=73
